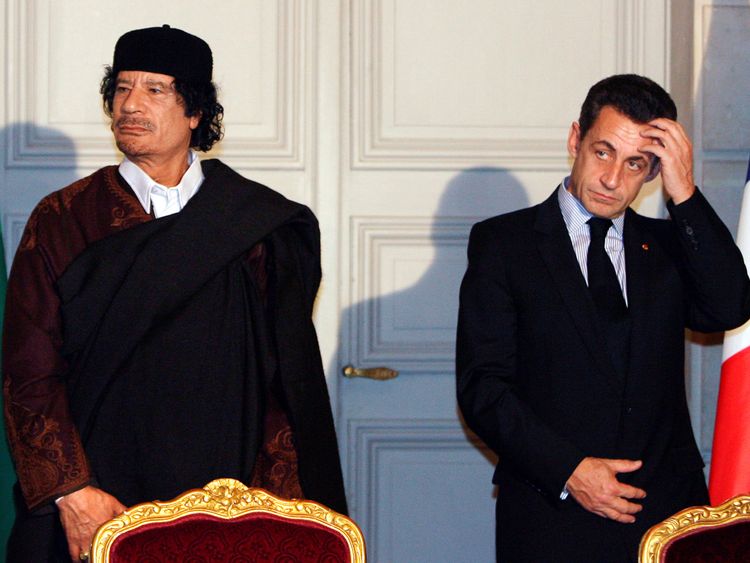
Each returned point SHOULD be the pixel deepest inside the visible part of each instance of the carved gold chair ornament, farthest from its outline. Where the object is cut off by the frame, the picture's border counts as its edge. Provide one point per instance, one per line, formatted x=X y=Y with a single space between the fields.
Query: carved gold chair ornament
x=659 y=539
x=227 y=500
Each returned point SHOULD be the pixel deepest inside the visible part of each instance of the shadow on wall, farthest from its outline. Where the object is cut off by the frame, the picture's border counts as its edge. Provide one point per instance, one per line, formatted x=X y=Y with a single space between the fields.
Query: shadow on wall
x=42 y=165
x=405 y=292
x=723 y=89
x=22 y=188
x=722 y=92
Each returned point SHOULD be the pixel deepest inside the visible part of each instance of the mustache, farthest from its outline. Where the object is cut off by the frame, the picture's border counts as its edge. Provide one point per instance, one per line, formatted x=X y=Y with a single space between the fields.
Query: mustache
x=129 y=121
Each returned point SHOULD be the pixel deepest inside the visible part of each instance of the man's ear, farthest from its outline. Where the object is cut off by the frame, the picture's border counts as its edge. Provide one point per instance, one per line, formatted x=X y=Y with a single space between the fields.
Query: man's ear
x=195 y=120
x=655 y=169
x=574 y=139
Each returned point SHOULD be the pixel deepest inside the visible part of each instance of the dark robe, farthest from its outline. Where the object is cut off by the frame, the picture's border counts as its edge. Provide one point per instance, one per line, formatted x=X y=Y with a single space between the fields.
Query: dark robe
x=171 y=347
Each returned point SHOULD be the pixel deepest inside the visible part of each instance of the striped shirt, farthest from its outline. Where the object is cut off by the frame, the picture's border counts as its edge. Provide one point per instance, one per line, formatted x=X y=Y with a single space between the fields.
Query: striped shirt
x=575 y=217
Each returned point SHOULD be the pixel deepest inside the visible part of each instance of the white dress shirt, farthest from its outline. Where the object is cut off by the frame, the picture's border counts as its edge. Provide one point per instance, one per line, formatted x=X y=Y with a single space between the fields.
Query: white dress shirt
x=165 y=200
x=575 y=216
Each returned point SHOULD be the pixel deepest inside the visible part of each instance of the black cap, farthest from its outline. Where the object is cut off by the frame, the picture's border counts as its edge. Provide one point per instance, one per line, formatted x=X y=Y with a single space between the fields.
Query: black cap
x=164 y=50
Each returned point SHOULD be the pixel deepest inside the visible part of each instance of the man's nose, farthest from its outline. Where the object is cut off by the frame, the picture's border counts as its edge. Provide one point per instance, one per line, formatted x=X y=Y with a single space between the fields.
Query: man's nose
x=612 y=176
x=133 y=102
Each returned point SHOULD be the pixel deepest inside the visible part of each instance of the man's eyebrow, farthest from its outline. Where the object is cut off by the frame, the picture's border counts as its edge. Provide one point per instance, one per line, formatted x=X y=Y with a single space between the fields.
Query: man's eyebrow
x=159 y=83
x=149 y=83
x=607 y=144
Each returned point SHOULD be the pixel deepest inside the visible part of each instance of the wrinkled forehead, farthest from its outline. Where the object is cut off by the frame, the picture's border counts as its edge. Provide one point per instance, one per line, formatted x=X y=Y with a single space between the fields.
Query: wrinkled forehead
x=143 y=77
x=618 y=131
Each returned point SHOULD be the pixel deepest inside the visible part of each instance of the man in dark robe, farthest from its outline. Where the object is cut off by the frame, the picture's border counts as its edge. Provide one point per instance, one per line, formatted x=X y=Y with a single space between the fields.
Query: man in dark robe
x=158 y=324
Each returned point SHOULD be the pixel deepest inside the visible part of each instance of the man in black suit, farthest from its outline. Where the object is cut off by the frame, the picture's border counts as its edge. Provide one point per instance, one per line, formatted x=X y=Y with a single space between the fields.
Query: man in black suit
x=570 y=345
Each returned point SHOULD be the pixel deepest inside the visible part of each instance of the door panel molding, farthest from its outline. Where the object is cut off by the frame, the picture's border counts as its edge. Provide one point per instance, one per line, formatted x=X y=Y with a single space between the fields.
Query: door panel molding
x=389 y=451
x=397 y=264
x=267 y=97
x=414 y=99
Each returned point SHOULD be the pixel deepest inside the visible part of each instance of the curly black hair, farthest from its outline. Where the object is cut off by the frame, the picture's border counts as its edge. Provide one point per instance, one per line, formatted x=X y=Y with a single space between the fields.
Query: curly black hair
x=199 y=99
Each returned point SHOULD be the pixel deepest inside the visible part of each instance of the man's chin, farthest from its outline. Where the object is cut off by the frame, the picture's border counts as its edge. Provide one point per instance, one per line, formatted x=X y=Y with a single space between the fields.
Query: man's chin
x=131 y=149
x=604 y=210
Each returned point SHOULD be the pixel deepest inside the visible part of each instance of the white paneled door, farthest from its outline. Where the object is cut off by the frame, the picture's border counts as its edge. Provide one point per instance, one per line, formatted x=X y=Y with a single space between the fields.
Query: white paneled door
x=450 y=112
x=401 y=122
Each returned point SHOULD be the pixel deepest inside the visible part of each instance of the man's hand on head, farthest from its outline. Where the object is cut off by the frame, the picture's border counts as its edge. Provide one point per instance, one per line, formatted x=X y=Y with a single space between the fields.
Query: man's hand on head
x=672 y=146
x=81 y=513
x=595 y=487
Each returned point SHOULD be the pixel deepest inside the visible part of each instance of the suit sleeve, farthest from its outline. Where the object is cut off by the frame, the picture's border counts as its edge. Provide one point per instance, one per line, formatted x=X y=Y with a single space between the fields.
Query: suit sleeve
x=487 y=375
x=712 y=267
x=43 y=440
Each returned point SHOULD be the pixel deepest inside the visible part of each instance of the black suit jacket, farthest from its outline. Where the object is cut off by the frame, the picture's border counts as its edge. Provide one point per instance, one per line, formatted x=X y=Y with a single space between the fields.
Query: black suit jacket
x=535 y=382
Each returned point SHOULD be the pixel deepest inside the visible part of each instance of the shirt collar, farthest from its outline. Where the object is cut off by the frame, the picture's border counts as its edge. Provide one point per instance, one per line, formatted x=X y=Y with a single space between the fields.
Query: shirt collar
x=142 y=183
x=575 y=214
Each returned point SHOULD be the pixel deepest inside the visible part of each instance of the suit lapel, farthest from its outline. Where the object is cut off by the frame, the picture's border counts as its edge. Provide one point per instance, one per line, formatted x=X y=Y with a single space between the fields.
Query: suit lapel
x=639 y=248
x=637 y=251
x=557 y=252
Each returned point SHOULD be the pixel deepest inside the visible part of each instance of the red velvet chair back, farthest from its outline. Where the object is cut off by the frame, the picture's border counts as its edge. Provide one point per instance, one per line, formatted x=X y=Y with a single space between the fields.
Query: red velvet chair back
x=701 y=534
x=227 y=521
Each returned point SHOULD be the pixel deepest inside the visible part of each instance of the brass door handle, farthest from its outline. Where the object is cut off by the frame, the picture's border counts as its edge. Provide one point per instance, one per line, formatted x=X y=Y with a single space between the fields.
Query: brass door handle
x=381 y=373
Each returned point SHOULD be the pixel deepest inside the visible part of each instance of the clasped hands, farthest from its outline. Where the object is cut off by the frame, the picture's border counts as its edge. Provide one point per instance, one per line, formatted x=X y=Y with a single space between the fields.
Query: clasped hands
x=595 y=487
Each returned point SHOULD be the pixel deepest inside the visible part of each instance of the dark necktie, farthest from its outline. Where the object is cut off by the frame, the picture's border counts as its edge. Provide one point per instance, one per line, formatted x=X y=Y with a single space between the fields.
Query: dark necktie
x=603 y=283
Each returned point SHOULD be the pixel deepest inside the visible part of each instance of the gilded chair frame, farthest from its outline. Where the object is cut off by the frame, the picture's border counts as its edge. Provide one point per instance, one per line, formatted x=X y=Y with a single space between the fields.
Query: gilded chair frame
x=226 y=499
x=654 y=542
